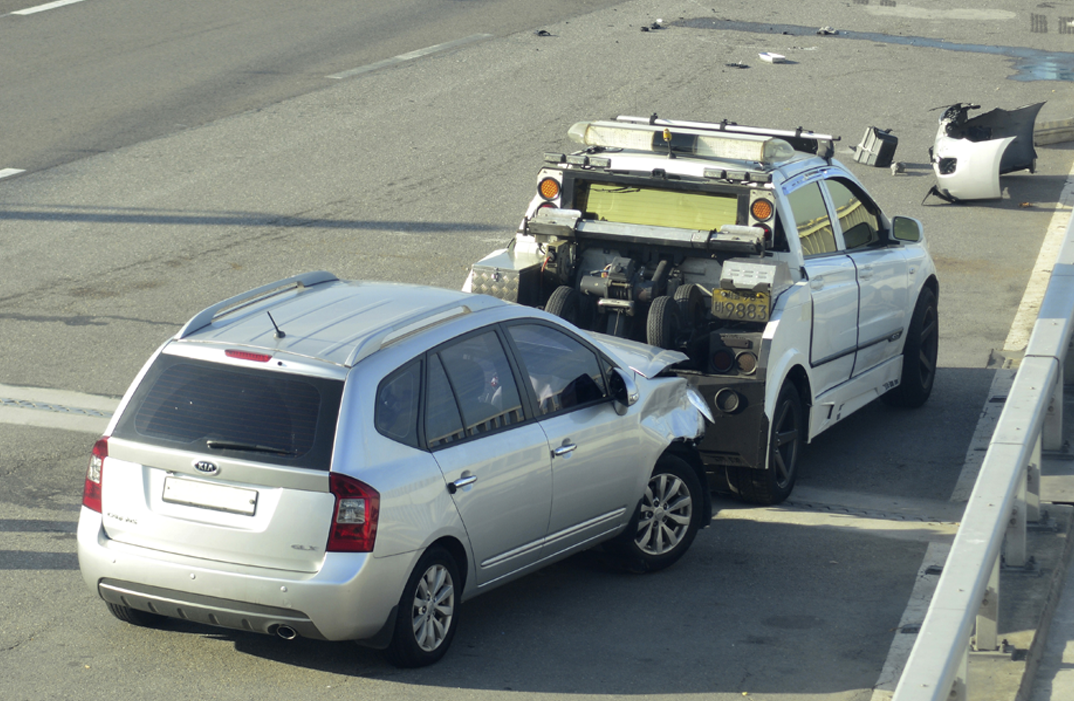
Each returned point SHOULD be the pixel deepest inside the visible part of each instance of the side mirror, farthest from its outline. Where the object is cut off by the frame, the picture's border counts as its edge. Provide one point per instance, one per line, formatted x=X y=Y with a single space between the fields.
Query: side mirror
x=906 y=229
x=624 y=390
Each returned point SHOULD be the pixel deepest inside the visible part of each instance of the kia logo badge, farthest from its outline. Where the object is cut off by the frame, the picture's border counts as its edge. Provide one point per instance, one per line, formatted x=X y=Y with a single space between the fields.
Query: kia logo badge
x=206 y=468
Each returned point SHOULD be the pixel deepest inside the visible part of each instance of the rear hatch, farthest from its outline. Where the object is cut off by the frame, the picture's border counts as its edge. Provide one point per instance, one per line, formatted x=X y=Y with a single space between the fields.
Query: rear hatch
x=226 y=461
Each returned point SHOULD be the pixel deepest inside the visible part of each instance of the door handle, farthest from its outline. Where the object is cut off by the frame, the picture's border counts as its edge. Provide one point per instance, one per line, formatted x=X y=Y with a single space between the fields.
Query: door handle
x=460 y=483
x=817 y=283
x=566 y=449
x=865 y=273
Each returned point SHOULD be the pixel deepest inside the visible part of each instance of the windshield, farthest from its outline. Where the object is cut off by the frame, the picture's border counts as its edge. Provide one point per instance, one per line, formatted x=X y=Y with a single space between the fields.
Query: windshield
x=630 y=204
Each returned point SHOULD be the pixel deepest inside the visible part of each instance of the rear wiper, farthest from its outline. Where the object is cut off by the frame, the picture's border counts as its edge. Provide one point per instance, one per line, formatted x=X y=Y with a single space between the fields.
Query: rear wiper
x=249 y=447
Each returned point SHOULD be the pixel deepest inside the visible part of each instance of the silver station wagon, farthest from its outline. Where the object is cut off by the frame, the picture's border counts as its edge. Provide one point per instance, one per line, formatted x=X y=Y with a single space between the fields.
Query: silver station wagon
x=351 y=461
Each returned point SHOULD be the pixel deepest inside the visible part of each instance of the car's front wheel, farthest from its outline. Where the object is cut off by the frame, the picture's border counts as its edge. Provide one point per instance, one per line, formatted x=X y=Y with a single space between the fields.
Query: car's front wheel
x=428 y=611
x=666 y=521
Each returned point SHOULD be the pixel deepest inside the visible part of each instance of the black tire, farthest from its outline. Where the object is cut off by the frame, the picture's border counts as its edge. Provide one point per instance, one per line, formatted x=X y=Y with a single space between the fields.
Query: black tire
x=691 y=302
x=918 y=355
x=663 y=324
x=666 y=520
x=136 y=617
x=565 y=304
x=774 y=485
x=428 y=614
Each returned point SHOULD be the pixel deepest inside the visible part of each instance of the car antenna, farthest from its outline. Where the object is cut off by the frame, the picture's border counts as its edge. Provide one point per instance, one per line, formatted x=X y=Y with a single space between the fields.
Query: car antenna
x=279 y=331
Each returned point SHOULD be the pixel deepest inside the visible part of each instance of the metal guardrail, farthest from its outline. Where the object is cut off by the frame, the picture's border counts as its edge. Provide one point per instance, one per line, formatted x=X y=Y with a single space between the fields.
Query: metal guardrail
x=1006 y=496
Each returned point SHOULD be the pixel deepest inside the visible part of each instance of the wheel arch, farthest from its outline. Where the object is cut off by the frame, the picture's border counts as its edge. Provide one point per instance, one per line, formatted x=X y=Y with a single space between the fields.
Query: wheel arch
x=684 y=450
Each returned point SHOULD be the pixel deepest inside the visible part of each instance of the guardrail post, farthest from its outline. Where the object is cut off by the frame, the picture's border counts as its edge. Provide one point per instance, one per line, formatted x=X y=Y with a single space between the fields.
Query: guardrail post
x=958 y=686
x=1033 y=485
x=986 y=638
x=1014 y=541
x=1052 y=432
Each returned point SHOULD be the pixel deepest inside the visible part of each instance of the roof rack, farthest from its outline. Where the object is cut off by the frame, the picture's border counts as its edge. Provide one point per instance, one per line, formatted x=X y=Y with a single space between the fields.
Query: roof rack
x=208 y=315
x=801 y=139
x=416 y=323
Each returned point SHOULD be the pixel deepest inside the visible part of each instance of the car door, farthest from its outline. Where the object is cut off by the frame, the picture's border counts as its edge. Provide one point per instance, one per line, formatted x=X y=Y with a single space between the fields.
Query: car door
x=496 y=464
x=597 y=472
x=833 y=287
x=882 y=274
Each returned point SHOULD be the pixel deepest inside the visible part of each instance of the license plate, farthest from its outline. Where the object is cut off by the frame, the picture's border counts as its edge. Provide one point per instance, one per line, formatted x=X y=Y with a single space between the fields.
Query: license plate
x=731 y=305
x=218 y=497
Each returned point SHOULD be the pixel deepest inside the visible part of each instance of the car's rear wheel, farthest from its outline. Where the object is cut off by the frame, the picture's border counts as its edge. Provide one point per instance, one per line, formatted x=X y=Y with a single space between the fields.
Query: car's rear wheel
x=918 y=355
x=135 y=616
x=774 y=484
x=666 y=521
x=428 y=611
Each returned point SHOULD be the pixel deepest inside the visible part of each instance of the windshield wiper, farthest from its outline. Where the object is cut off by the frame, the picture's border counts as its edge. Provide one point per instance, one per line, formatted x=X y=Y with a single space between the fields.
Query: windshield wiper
x=249 y=447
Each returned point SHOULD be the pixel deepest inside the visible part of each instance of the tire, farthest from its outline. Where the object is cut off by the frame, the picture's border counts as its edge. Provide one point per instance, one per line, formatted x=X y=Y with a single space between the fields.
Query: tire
x=565 y=304
x=666 y=520
x=428 y=615
x=691 y=302
x=663 y=324
x=774 y=485
x=918 y=355
x=136 y=617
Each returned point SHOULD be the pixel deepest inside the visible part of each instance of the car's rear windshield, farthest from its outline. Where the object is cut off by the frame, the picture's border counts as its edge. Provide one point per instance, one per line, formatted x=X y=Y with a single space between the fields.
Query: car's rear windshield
x=249 y=413
x=650 y=206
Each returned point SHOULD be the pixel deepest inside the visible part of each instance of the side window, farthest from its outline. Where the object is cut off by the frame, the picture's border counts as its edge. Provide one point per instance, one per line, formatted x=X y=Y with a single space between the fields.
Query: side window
x=811 y=217
x=860 y=226
x=443 y=423
x=396 y=414
x=563 y=372
x=481 y=380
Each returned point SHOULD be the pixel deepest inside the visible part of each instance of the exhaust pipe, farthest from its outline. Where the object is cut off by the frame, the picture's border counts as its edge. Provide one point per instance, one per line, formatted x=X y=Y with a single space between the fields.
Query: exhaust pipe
x=286 y=632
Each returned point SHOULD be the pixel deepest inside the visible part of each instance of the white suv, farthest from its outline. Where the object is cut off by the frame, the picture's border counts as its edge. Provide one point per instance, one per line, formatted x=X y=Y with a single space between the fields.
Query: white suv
x=796 y=298
x=350 y=461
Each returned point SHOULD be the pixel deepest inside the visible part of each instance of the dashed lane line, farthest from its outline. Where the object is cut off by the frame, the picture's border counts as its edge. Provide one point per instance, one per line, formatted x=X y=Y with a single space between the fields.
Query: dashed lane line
x=42 y=8
x=8 y=172
x=402 y=58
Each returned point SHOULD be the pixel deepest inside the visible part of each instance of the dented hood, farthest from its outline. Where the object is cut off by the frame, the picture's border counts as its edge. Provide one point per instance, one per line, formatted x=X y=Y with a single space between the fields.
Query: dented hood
x=648 y=361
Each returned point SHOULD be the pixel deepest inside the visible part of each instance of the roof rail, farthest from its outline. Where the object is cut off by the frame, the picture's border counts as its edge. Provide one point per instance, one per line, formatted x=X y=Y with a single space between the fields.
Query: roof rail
x=413 y=324
x=206 y=316
x=801 y=139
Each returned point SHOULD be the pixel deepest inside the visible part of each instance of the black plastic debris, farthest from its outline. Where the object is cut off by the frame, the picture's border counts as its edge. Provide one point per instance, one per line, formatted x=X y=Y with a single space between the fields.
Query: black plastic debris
x=737 y=64
x=543 y=33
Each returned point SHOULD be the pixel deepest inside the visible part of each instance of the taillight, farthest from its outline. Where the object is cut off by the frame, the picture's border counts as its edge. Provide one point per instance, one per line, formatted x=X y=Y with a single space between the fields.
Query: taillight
x=354 y=523
x=91 y=493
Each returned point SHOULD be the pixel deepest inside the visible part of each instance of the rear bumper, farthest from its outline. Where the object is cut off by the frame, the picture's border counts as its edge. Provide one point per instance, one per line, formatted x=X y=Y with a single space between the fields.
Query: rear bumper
x=350 y=597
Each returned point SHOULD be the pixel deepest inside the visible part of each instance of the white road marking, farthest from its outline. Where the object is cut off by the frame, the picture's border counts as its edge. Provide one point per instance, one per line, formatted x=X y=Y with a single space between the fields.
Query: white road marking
x=402 y=58
x=54 y=408
x=8 y=172
x=46 y=6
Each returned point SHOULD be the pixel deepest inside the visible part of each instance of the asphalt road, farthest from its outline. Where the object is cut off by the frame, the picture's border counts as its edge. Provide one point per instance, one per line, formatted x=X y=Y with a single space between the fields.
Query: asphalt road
x=117 y=233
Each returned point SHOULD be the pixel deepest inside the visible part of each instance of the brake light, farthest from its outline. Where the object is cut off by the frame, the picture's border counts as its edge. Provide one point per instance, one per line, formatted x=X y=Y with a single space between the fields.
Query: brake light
x=91 y=493
x=354 y=523
x=247 y=355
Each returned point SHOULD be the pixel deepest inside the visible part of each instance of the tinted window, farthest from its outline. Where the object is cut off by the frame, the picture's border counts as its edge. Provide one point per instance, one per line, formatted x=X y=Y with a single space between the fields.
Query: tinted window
x=244 y=412
x=443 y=423
x=650 y=206
x=397 y=405
x=860 y=226
x=811 y=217
x=563 y=372
x=481 y=380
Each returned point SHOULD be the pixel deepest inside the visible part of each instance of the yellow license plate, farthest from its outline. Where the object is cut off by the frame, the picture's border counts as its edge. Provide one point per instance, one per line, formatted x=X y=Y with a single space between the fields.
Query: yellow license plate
x=731 y=305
